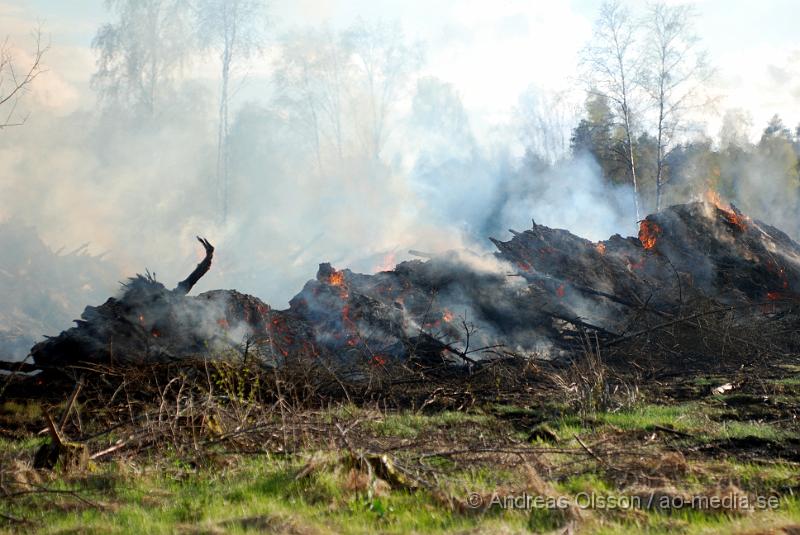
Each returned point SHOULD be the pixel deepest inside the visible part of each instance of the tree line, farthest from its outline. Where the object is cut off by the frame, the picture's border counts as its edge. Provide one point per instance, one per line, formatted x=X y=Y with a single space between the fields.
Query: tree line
x=335 y=88
x=646 y=77
x=332 y=98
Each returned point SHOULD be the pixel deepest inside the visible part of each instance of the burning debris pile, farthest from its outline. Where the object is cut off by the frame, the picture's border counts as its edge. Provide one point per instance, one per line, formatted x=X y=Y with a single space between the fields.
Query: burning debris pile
x=538 y=295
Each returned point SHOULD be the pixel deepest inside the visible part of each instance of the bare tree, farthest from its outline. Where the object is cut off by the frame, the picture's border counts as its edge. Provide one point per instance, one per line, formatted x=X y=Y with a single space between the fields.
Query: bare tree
x=676 y=69
x=545 y=121
x=611 y=66
x=386 y=63
x=233 y=28
x=14 y=82
x=312 y=76
x=143 y=52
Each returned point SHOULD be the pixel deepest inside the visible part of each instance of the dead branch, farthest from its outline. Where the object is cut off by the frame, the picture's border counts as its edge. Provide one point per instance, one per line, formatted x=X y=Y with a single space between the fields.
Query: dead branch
x=186 y=285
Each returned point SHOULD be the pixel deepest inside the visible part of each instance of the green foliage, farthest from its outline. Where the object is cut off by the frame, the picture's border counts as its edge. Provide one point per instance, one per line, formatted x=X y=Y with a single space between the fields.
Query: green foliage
x=762 y=179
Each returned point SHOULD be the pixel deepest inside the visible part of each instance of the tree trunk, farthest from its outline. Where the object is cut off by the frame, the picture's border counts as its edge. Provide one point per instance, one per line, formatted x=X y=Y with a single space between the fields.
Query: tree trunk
x=660 y=146
x=632 y=162
x=223 y=177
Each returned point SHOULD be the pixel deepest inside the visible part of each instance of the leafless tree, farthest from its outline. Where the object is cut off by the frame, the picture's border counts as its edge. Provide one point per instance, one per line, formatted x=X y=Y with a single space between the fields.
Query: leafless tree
x=611 y=66
x=142 y=52
x=386 y=63
x=234 y=29
x=545 y=121
x=14 y=82
x=312 y=76
x=676 y=69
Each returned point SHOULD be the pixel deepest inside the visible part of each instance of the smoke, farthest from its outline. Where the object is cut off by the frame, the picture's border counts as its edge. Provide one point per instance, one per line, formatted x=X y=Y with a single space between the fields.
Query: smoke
x=138 y=188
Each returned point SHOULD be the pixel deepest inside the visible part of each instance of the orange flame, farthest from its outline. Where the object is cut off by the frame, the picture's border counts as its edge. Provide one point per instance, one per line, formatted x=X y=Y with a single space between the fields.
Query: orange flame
x=336 y=278
x=447 y=315
x=560 y=291
x=734 y=218
x=600 y=248
x=648 y=233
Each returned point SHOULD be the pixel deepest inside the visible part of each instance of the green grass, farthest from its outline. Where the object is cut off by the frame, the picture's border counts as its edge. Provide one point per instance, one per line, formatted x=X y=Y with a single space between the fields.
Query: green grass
x=260 y=491
x=697 y=522
x=21 y=413
x=684 y=417
x=224 y=493
x=734 y=429
x=407 y=424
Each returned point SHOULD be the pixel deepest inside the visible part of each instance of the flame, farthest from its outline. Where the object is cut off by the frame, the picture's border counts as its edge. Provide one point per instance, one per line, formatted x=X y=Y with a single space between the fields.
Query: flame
x=155 y=332
x=600 y=248
x=141 y=319
x=222 y=322
x=560 y=291
x=447 y=316
x=336 y=278
x=378 y=360
x=648 y=233
x=730 y=214
x=774 y=296
x=712 y=197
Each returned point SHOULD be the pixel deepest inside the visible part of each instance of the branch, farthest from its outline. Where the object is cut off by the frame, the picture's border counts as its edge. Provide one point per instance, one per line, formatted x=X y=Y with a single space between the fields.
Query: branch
x=19 y=84
x=185 y=286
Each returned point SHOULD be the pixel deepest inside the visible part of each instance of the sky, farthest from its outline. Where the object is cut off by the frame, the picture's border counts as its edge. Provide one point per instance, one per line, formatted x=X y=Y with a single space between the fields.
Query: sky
x=490 y=50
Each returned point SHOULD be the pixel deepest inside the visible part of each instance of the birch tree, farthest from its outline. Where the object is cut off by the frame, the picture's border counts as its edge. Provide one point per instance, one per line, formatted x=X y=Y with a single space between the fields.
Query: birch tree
x=611 y=67
x=386 y=63
x=143 y=52
x=234 y=30
x=676 y=69
x=312 y=76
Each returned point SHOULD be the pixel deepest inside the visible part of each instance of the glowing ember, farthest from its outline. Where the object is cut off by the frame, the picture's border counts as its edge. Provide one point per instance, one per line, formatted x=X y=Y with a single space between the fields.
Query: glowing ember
x=560 y=291
x=378 y=360
x=774 y=296
x=648 y=233
x=632 y=266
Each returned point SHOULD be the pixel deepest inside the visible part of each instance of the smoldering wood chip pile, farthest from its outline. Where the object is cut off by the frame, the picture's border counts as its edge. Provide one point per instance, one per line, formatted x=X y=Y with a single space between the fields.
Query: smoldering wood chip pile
x=540 y=294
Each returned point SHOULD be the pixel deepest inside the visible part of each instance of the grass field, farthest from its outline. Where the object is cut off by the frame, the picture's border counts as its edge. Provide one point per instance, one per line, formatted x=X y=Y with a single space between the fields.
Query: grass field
x=699 y=462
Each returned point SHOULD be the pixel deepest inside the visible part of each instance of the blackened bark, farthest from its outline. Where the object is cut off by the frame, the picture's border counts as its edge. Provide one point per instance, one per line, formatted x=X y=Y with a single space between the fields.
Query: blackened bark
x=186 y=285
